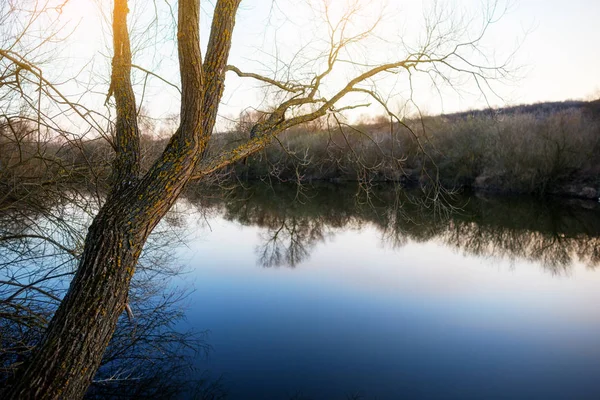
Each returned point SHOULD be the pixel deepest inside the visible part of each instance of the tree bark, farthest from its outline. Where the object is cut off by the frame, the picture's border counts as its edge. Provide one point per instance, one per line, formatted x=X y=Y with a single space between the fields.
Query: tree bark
x=64 y=365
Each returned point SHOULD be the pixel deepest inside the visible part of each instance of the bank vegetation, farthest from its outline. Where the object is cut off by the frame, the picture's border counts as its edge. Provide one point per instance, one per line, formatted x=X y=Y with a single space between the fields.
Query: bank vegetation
x=542 y=149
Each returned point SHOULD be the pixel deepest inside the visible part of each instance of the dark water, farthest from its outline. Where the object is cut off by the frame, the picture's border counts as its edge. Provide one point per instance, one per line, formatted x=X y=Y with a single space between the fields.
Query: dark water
x=328 y=295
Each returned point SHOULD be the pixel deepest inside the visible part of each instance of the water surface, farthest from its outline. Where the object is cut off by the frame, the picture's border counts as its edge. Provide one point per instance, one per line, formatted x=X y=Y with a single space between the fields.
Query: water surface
x=323 y=295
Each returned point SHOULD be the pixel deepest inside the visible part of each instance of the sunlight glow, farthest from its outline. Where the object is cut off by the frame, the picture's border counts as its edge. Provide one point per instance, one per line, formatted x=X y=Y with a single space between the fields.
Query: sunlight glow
x=297 y=32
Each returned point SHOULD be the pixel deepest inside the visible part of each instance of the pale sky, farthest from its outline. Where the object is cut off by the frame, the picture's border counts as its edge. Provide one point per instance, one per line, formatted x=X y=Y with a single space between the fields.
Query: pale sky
x=555 y=42
x=560 y=51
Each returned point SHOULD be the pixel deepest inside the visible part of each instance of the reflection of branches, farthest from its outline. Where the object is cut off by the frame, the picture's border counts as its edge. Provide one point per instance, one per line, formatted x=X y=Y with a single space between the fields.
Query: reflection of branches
x=553 y=234
x=554 y=250
x=290 y=243
x=147 y=356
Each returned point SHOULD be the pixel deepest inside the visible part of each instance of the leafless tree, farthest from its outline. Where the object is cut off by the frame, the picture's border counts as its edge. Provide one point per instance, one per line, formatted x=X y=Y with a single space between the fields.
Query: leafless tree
x=72 y=349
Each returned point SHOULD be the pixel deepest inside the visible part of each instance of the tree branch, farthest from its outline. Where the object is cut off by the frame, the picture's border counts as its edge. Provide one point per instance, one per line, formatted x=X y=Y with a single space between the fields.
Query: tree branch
x=126 y=166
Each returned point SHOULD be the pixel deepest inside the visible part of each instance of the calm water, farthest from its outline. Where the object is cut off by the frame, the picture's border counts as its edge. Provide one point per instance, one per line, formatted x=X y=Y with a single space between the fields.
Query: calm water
x=326 y=294
x=330 y=298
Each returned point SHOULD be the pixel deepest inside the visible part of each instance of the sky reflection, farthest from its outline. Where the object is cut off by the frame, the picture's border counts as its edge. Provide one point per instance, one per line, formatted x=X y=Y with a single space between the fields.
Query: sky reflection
x=424 y=320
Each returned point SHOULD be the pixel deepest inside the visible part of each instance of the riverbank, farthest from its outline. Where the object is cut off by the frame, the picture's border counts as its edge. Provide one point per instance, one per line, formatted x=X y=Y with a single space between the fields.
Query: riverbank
x=542 y=149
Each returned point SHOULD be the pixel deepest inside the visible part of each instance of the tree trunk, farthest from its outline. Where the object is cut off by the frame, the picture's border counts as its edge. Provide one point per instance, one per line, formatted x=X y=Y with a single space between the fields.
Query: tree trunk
x=63 y=365
x=77 y=336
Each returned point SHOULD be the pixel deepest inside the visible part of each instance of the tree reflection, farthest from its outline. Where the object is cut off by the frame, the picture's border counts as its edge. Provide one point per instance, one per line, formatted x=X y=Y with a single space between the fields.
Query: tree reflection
x=555 y=233
x=148 y=357
x=289 y=243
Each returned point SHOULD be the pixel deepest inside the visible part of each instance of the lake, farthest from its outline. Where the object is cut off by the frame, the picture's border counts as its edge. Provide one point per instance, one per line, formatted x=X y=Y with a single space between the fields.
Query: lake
x=326 y=294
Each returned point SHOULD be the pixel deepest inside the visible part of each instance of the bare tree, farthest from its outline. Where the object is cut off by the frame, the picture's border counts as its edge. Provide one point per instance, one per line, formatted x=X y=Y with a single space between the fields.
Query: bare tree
x=65 y=362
